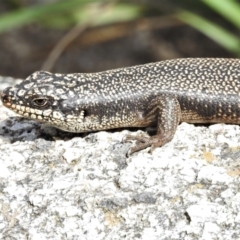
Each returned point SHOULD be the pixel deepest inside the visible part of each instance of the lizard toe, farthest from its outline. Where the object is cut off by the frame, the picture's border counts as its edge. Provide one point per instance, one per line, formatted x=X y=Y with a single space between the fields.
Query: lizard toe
x=139 y=139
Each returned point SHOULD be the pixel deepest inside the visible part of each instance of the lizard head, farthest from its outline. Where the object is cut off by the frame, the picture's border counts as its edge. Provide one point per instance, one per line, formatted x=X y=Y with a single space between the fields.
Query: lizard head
x=48 y=98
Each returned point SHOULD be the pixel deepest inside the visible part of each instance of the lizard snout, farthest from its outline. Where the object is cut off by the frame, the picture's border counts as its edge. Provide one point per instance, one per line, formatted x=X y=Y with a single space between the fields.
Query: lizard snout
x=6 y=98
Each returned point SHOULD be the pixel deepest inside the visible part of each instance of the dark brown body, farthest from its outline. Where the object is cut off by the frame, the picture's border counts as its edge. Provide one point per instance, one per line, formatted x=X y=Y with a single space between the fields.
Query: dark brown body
x=161 y=94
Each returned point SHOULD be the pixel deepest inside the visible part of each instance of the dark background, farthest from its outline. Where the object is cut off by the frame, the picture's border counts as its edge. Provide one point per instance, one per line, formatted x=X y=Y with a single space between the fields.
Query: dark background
x=155 y=34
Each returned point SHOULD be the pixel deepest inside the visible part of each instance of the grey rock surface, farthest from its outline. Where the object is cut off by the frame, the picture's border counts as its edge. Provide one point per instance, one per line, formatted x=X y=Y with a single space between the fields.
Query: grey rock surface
x=55 y=185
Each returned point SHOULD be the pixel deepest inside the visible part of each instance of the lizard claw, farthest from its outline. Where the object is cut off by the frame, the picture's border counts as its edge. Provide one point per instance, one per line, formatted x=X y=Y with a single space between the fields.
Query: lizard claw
x=141 y=143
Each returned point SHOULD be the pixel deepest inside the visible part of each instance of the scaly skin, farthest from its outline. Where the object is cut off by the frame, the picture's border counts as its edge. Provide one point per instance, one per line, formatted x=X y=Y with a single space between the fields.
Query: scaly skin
x=157 y=94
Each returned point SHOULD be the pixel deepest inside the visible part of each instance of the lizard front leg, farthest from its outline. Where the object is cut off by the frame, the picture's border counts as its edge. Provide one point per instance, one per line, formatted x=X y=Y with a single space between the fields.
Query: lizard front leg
x=167 y=113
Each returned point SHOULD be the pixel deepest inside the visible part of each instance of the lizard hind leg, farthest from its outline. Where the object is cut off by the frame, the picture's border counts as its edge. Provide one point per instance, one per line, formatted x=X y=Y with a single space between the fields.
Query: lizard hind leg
x=167 y=113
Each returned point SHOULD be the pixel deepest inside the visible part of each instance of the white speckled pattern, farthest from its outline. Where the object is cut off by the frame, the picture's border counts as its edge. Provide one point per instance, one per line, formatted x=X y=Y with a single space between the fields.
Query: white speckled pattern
x=201 y=90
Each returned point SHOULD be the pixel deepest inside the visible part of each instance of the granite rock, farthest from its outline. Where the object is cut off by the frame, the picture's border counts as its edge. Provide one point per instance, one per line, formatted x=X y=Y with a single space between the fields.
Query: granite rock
x=56 y=185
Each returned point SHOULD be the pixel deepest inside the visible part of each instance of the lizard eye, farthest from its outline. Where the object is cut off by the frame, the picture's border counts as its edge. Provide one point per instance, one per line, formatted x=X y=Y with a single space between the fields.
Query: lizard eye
x=40 y=102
